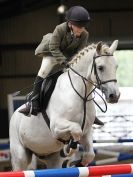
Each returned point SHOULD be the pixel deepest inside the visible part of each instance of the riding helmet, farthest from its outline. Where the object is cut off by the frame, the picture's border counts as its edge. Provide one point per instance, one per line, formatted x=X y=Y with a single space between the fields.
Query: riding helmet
x=78 y=16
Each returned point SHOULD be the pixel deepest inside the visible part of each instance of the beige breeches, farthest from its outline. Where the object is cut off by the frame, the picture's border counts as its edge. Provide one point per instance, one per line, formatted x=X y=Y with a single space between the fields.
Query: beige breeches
x=48 y=62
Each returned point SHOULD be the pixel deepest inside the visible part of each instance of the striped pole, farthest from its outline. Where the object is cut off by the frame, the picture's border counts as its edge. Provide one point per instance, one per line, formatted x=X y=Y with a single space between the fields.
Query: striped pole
x=74 y=172
x=119 y=175
x=112 y=160
x=111 y=169
x=114 y=141
x=108 y=152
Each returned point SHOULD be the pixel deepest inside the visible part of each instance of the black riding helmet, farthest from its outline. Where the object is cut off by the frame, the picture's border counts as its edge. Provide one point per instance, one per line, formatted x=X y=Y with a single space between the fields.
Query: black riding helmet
x=78 y=16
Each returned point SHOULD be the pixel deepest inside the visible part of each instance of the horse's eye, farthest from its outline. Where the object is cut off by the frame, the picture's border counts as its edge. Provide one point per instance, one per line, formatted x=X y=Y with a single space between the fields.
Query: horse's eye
x=100 y=68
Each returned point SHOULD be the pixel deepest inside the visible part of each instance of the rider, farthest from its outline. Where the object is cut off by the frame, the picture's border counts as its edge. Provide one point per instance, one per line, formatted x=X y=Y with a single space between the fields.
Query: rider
x=67 y=39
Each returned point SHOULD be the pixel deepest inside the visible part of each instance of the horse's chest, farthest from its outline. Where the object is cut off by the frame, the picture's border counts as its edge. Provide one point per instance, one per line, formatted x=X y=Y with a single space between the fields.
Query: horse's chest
x=38 y=139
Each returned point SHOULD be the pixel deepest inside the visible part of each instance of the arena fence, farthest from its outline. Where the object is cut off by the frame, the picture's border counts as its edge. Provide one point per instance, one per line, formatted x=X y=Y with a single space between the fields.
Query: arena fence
x=4 y=150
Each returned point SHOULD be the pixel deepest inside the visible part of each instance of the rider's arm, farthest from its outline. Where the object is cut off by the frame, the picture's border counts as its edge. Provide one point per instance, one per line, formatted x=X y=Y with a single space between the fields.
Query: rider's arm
x=43 y=47
x=55 y=42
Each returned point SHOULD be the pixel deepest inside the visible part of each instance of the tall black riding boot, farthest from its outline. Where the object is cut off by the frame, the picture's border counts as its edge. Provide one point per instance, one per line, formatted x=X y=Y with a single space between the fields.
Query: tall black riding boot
x=33 y=106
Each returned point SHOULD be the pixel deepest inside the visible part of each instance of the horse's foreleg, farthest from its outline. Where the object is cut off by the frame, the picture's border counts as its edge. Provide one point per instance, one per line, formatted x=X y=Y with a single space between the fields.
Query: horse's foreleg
x=55 y=161
x=33 y=163
x=20 y=157
x=64 y=129
x=88 y=153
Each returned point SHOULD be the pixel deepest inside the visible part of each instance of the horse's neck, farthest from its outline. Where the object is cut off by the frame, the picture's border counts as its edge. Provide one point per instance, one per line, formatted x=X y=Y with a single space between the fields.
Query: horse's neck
x=83 y=68
x=84 y=65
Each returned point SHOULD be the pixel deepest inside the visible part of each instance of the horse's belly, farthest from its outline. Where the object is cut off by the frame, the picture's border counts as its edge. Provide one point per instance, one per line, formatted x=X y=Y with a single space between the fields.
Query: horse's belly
x=36 y=136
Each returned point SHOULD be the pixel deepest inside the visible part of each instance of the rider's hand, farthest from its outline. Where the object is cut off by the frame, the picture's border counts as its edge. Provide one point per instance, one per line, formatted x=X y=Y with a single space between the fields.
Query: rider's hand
x=65 y=64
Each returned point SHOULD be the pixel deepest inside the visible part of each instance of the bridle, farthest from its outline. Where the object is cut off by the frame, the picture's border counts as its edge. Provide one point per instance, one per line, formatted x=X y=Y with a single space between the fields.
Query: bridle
x=99 y=82
x=98 y=85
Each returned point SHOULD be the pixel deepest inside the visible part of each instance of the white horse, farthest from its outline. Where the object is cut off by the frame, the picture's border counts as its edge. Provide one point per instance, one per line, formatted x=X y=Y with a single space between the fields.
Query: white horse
x=94 y=65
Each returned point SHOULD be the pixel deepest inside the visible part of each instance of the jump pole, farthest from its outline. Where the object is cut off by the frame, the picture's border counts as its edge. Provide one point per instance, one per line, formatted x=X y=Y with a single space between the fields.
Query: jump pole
x=112 y=160
x=119 y=175
x=75 y=172
x=114 y=141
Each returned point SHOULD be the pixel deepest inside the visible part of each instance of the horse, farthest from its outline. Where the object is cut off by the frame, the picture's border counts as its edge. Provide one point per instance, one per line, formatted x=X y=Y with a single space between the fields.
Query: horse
x=71 y=110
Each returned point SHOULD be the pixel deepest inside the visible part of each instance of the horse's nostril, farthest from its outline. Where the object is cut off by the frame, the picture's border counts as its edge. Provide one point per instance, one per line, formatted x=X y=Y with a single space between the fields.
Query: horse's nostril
x=111 y=95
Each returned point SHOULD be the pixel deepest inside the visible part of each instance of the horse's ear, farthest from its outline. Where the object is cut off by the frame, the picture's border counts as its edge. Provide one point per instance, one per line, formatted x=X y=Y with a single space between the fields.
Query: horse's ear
x=99 y=46
x=113 y=47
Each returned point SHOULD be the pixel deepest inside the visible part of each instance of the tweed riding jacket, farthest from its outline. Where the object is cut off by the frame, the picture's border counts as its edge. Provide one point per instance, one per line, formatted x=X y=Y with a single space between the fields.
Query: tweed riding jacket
x=61 y=44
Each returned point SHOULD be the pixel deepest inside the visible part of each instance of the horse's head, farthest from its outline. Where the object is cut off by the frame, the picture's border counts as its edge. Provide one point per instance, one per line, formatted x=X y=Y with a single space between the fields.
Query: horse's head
x=105 y=66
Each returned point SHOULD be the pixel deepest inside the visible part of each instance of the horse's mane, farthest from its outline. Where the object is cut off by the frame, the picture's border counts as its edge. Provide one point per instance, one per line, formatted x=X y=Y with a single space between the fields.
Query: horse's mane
x=105 y=50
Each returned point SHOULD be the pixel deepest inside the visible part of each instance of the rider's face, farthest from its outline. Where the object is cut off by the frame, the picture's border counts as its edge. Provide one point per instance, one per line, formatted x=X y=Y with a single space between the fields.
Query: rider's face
x=77 y=30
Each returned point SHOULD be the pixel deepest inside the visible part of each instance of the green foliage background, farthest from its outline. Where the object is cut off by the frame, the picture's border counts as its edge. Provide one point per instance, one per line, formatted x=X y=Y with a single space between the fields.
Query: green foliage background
x=125 y=67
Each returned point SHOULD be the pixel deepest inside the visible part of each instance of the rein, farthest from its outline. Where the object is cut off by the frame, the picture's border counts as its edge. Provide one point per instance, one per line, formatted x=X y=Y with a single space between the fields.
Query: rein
x=85 y=98
x=99 y=83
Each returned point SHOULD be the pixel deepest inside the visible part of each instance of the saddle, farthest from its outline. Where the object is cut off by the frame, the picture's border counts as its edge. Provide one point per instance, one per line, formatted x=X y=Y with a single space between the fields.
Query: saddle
x=47 y=89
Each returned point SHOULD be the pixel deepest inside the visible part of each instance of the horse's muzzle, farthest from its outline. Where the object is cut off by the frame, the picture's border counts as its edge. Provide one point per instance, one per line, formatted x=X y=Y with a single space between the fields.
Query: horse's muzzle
x=113 y=98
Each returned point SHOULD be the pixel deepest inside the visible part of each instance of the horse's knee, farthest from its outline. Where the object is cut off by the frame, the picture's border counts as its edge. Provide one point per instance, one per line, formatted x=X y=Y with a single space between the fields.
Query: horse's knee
x=65 y=129
x=76 y=132
x=90 y=155
x=87 y=157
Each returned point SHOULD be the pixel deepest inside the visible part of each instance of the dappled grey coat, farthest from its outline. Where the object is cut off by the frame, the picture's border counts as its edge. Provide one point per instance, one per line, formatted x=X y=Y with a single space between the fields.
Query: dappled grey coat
x=61 y=43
